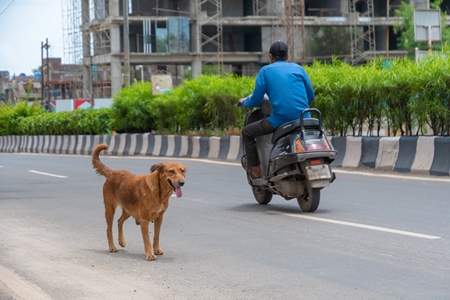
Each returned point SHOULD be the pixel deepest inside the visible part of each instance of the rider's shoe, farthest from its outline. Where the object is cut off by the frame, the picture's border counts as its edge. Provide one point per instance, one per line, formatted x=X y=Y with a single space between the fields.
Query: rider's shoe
x=256 y=172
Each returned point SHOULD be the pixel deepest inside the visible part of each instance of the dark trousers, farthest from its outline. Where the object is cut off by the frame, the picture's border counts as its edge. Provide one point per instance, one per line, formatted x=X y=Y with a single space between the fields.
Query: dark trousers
x=249 y=133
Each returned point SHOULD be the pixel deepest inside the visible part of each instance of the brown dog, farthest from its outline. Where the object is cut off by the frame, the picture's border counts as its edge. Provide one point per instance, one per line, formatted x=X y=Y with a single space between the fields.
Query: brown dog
x=144 y=197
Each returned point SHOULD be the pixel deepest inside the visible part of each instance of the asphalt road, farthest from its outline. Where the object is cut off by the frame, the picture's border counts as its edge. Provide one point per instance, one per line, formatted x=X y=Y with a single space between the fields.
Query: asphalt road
x=374 y=236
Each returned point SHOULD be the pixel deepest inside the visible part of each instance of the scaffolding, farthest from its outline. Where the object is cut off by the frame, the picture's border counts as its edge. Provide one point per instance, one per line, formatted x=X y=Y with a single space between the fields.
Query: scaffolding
x=94 y=36
x=73 y=46
x=292 y=10
x=362 y=36
x=260 y=7
x=211 y=16
x=100 y=31
x=72 y=38
x=286 y=15
x=98 y=46
x=275 y=10
x=86 y=48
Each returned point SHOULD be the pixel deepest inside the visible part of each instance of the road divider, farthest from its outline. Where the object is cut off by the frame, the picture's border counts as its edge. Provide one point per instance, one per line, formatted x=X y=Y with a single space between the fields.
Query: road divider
x=412 y=154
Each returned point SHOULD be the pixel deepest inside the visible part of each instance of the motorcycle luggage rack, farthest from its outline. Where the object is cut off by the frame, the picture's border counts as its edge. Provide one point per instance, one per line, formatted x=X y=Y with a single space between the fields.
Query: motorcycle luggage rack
x=305 y=123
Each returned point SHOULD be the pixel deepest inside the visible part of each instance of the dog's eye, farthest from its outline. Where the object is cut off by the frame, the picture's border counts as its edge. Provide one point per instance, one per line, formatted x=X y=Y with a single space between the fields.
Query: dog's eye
x=182 y=171
x=171 y=171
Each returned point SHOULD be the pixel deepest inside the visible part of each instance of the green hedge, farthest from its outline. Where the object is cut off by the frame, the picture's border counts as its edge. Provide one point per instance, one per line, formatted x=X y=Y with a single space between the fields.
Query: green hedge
x=25 y=119
x=10 y=116
x=404 y=96
x=206 y=103
x=399 y=95
x=77 y=122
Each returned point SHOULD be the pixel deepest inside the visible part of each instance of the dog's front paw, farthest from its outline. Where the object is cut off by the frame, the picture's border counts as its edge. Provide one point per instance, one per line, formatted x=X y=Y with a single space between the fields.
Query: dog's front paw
x=122 y=242
x=159 y=251
x=151 y=257
x=112 y=249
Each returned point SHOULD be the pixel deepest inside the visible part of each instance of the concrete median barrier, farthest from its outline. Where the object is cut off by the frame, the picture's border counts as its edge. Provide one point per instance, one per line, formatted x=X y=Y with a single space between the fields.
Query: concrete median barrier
x=411 y=154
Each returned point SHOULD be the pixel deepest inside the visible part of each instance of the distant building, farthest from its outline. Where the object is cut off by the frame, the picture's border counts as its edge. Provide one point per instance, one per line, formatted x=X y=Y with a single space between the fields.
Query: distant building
x=16 y=87
x=187 y=36
x=59 y=82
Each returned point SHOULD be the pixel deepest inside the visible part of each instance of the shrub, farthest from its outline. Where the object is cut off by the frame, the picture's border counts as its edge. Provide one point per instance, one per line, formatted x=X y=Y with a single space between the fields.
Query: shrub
x=77 y=122
x=130 y=109
x=11 y=115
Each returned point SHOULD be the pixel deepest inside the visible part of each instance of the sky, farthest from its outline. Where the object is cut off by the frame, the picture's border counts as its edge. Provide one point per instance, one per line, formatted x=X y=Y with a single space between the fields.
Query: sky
x=24 y=25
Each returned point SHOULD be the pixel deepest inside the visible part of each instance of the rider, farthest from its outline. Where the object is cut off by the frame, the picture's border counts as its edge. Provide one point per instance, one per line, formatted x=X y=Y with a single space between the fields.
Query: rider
x=290 y=92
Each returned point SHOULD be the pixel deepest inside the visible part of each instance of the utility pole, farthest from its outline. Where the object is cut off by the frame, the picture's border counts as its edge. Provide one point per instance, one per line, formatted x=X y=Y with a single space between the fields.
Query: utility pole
x=44 y=46
x=289 y=11
x=126 y=43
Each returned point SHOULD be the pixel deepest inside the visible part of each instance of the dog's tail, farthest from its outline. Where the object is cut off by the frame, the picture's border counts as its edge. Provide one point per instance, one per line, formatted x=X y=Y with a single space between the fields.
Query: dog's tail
x=99 y=167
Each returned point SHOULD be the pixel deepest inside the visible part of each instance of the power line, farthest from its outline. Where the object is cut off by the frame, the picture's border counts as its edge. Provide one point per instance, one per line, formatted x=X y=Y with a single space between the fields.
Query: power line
x=6 y=7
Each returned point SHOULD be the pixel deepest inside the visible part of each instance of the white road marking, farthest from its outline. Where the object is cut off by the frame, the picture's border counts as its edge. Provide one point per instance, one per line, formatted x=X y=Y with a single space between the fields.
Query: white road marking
x=335 y=169
x=47 y=174
x=212 y=161
x=377 y=228
x=418 y=177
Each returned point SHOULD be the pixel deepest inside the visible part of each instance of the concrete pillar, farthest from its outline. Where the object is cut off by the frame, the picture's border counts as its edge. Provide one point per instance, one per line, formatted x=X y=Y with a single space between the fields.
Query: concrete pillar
x=343 y=7
x=116 y=64
x=116 y=75
x=196 y=65
x=113 y=8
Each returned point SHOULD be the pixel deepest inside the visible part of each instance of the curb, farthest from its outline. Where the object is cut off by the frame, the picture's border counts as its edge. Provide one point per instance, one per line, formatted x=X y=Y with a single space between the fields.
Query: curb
x=227 y=148
x=410 y=154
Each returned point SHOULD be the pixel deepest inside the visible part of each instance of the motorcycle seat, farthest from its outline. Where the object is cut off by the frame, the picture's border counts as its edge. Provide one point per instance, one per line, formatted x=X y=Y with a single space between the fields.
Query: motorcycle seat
x=293 y=125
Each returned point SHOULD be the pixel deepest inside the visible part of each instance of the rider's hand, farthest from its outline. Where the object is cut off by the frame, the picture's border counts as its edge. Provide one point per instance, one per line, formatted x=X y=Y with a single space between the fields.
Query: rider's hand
x=241 y=101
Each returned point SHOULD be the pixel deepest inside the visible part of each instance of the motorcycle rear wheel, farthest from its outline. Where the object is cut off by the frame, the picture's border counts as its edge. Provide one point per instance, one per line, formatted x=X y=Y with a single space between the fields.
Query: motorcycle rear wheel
x=310 y=202
x=262 y=195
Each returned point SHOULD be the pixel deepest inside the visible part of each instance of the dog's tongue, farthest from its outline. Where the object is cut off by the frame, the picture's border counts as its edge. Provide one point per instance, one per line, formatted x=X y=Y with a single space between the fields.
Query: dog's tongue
x=178 y=192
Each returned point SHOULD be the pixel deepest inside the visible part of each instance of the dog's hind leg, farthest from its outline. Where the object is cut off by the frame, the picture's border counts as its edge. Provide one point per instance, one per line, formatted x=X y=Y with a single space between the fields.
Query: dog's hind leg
x=156 y=247
x=110 y=209
x=125 y=215
x=149 y=255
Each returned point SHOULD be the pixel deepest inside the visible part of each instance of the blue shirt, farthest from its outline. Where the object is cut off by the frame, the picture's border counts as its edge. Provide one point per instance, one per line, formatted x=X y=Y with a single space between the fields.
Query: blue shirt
x=289 y=89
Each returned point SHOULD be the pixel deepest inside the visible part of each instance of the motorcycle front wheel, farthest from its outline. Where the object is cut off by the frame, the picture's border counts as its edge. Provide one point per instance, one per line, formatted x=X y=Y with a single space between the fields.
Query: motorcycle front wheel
x=262 y=195
x=310 y=201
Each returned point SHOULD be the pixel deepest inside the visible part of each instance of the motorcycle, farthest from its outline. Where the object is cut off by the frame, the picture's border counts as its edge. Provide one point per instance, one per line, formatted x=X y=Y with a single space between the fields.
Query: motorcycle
x=295 y=159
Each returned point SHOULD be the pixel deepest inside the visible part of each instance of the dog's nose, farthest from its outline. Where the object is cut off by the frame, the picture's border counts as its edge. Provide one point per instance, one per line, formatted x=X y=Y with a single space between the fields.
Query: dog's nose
x=181 y=182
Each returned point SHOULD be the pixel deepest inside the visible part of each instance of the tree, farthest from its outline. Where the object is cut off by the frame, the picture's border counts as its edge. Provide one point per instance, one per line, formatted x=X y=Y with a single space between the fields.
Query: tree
x=38 y=69
x=406 y=29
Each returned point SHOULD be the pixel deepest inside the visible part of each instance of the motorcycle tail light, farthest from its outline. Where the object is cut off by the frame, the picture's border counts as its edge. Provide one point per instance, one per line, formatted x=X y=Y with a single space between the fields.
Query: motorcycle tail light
x=299 y=147
x=315 y=161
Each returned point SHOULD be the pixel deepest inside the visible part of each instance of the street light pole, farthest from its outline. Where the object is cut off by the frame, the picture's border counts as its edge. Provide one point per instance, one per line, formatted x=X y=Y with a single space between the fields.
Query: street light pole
x=42 y=71
x=46 y=46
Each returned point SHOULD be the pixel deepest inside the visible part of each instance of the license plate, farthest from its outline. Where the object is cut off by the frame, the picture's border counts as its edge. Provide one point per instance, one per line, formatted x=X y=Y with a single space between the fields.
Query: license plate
x=318 y=172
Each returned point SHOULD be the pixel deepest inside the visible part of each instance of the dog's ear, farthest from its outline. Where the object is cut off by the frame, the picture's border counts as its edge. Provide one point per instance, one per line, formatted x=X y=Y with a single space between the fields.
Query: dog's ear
x=157 y=167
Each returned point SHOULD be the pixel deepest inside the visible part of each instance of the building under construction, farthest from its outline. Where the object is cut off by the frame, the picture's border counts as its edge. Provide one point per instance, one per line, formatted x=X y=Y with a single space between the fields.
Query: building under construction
x=116 y=42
